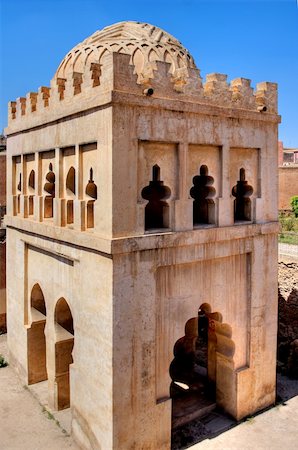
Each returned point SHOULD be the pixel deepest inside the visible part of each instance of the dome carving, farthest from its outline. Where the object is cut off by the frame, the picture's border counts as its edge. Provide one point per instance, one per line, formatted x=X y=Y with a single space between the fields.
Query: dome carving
x=144 y=42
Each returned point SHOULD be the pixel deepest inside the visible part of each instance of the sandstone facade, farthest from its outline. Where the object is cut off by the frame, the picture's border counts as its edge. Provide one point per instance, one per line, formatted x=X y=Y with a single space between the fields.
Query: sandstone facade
x=137 y=197
x=2 y=234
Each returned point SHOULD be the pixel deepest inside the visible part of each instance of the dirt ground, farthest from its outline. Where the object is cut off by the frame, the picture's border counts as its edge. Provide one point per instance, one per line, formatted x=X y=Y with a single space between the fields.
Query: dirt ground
x=24 y=423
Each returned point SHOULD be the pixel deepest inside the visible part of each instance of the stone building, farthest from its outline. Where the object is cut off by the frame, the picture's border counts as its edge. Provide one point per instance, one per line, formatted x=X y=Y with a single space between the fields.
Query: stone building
x=287 y=176
x=142 y=218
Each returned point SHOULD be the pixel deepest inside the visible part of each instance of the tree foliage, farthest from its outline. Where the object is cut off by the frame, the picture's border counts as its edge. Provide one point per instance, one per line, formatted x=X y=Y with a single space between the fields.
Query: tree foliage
x=294 y=204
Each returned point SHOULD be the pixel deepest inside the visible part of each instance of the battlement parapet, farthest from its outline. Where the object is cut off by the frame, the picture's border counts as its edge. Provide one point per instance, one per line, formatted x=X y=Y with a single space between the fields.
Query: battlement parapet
x=115 y=71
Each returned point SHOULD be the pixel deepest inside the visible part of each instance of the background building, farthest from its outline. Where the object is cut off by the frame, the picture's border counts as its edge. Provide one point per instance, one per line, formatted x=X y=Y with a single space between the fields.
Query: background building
x=288 y=176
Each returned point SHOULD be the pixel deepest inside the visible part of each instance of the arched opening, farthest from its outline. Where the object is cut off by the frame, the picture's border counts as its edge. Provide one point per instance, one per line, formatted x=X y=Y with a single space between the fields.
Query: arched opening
x=242 y=204
x=157 y=209
x=71 y=181
x=70 y=191
x=203 y=192
x=19 y=187
x=63 y=352
x=49 y=187
x=36 y=340
x=31 y=188
x=91 y=191
x=31 y=180
x=19 y=204
x=194 y=368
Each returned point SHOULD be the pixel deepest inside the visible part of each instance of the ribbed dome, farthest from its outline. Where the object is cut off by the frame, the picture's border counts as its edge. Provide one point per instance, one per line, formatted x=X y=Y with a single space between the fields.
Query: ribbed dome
x=145 y=43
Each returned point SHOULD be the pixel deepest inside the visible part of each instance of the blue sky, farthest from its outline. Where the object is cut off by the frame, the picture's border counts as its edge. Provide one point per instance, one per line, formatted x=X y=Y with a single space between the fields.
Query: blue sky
x=256 y=39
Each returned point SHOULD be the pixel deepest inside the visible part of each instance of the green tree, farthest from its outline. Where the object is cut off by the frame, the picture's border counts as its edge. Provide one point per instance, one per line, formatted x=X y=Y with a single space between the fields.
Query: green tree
x=294 y=204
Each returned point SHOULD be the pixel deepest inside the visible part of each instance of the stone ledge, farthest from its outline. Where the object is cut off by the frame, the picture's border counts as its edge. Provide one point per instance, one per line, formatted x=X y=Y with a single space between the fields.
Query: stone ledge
x=191 y=106
x=107 y=99
x=113 y=246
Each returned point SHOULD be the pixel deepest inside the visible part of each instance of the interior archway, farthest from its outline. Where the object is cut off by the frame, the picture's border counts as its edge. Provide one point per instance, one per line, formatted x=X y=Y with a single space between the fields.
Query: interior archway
x=36 y=340
x=63 y=352
x=194 y=368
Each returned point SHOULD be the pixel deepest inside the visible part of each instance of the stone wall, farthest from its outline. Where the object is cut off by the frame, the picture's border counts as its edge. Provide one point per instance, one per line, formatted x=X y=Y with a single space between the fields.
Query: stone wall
x=2 y=281
x=288 y=319
x=288 y=185
x=2 y=242
x=2 y=179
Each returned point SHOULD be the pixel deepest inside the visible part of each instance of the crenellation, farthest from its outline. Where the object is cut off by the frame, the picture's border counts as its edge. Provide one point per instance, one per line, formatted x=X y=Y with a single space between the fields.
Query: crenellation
x=61 y=87
x=12 y=109
x=95 y=69
x=32 y=100
x=242 y=93
x=194 y=85
x=77 y=82
x=45 y=94
x=143 y=72
x=124 y=76
x=266 y=96
x=179 y=79
x=21 y=107
x=162 y=82
x=216 y=89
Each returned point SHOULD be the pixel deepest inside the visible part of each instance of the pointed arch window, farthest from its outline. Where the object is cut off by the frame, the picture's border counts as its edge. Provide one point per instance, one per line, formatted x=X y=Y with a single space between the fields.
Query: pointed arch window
x=49 y=188
x=70 y=191
x=157 y=209
x=91 y=191
x=242 y=203
x=31 y=188
x=19 y=188
x=203 y=192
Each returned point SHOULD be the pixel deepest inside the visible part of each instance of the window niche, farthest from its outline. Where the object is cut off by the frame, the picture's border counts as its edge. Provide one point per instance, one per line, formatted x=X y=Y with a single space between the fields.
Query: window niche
x=157 y=209
x=19 y=189
x=31 y=190
x=63 y=353
x=49 y=188
x=203 y=192
x=91 y=192
x=70 y=191
x=242 y=203
x=36 y=339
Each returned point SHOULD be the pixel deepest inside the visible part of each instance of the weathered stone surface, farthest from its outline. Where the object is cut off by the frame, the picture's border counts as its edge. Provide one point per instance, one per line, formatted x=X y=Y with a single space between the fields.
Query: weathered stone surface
x=288 y=319
x=101 y=220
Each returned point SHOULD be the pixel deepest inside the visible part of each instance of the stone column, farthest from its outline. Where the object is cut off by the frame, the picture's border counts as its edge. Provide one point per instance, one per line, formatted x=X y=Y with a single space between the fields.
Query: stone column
x=225 y=201
x=183 y=205
x=58 y=213
x=78 y=204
